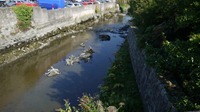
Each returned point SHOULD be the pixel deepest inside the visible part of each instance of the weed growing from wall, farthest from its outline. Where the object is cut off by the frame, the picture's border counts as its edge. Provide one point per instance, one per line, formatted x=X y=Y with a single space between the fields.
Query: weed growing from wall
x=24 y=14
x=97 y=9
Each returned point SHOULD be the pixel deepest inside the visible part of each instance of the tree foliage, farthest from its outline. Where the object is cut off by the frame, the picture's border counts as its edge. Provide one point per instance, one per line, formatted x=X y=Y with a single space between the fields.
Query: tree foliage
x=169 y=31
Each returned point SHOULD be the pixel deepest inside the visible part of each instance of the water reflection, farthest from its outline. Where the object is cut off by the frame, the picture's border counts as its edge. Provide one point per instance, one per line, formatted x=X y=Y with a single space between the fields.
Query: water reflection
x=23 y=87
x=19 y=76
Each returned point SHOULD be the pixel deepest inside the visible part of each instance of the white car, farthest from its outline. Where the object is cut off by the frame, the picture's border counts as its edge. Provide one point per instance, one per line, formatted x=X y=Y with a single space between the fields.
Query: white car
x=69 y=4
x=97 y=2
x=78 y=0
x=77 y=4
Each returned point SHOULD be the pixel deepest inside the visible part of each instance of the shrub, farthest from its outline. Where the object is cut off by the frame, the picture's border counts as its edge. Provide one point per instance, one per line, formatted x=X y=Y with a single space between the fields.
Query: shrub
x=123 y=7
x=24 y=15
x=97 y=9
x=88 y=103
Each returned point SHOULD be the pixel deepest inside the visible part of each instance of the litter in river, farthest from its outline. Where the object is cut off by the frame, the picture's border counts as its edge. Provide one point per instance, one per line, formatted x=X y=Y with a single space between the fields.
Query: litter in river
x=85 y=55
x=52 y=72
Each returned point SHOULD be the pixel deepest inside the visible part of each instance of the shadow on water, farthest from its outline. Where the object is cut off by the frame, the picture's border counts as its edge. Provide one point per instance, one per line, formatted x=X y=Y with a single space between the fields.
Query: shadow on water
x=23 y=74
x=24 y=87
x=85 y=77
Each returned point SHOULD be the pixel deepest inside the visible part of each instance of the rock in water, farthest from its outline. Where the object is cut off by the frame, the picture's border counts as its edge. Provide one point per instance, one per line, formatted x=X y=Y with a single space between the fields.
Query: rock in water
x=104 y=37
x=85 y=55
x=90 y=50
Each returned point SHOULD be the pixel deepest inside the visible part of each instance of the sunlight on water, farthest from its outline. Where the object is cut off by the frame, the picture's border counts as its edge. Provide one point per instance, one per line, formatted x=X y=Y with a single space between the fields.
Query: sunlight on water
x=24 y=87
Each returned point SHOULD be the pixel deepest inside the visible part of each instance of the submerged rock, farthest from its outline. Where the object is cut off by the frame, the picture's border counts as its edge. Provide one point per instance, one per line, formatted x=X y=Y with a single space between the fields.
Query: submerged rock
x=104 y=37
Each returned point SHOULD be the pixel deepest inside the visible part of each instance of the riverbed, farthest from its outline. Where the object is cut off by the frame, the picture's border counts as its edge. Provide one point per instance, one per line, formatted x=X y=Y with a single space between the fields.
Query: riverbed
x=25 y=87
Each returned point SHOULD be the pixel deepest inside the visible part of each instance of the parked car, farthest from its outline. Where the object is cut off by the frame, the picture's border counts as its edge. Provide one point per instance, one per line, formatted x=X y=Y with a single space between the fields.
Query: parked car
x=88 y=2
x=107 y=0
x=102 y=1
x=78 y=0
x=11 y=3
x=2 y=3
x=27 y=3
x=69 y=4
x=85 y=2
x=21 y=2
x=97 y=2
x=77 y=4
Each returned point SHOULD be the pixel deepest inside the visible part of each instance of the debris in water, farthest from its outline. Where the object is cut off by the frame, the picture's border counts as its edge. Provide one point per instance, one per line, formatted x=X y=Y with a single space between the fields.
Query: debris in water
x=72 y=59
x=90 y=28
x=72 y=36
x=85 y=55
x=43 y=45
x=82 y=45
x=52 y=72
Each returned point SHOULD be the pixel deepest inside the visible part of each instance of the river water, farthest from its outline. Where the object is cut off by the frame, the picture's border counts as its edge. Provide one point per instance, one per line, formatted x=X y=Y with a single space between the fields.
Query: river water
x=24 y=87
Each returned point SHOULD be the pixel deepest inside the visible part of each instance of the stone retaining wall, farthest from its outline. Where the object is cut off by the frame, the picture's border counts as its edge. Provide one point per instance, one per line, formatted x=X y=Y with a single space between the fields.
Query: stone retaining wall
x=153 y=93
x=44 y=21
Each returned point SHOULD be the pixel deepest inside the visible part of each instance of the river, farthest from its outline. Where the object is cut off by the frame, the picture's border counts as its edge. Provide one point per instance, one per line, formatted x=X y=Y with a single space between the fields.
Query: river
x=24 y=87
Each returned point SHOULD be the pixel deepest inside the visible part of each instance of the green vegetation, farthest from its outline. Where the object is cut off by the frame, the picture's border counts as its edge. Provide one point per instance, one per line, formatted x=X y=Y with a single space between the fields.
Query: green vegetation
x=88 y=103
x=118 y=93
x=24 y=15
x=97 y=9
x=120 y=85
x=123 y=7
x=123 y=1
x=169 y=31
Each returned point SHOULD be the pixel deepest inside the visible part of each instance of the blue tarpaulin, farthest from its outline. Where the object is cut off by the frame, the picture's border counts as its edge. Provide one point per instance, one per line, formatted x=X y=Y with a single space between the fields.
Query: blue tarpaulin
x=51 y=4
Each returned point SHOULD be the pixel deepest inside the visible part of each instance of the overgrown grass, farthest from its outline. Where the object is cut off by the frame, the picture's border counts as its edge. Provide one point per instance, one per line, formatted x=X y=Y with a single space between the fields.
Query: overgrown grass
x=120 y=85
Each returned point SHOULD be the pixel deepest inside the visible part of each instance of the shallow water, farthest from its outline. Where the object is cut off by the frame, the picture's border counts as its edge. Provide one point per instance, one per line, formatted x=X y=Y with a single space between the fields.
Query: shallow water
x=24 y=87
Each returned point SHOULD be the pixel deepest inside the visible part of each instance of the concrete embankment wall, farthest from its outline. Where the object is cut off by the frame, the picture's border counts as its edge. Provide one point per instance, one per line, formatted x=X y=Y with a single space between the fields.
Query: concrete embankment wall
x=44 y=21
x=153 y=93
